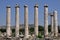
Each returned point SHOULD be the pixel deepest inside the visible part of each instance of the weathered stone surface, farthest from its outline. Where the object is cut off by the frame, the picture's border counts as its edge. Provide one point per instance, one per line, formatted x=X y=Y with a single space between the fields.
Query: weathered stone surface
x=17 y=21
x=26 y=20
x=52 y=25
x=55 y=24
x=8 y=15
x=36 y=19
x=46 y=21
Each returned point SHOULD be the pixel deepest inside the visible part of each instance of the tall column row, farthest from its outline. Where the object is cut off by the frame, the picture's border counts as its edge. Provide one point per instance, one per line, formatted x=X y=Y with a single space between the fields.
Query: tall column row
x=54 y=23
x=25 y=20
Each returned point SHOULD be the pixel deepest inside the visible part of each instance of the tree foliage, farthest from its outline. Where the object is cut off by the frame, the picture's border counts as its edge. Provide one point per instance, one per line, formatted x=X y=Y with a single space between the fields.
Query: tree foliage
x=49 y=28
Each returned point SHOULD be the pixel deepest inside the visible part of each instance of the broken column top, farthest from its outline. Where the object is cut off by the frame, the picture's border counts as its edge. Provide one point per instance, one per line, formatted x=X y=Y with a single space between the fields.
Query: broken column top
x=25 y=5
x=8 y=6
x=17 y=6
x=51 y=14
x=36 y=5
x=45 y=5
x=55 y=11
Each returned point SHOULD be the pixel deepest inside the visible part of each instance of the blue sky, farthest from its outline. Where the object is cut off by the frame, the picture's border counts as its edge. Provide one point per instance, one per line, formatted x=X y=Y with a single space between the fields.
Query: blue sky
x=52 y=5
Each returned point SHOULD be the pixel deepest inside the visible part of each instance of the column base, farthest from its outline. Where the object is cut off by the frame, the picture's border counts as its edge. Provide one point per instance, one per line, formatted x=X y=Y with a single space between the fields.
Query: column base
x=26 y=36
x=46 y=36
x=8 y=38
x=46 y=39
x=55 y=36
x=17 y=38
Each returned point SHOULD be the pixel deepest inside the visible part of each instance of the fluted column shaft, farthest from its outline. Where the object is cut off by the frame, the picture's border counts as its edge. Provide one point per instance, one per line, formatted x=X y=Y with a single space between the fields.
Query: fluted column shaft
x=46 y=21
x=36 y=19
x=8 y=29
x=17 y=21
x=52 y=25
x=26 y=20
x=55 y=24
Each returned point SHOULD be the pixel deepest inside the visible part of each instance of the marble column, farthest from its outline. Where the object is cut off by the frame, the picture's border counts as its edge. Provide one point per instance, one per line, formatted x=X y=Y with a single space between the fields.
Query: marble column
x=46 y=21
x=17 y=20
x=52 y=26
x=55 y=24
x=8 y=15
x=26 y=20
x=36 y=19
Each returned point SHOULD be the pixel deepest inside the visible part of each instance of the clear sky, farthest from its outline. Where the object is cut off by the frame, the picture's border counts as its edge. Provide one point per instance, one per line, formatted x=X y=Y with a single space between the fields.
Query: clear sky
x=52 y=5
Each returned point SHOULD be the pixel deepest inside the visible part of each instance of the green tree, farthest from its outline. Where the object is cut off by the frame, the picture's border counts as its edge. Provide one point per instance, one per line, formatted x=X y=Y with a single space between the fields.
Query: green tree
x=31 y=30
x=49 y=28
x=41 y=28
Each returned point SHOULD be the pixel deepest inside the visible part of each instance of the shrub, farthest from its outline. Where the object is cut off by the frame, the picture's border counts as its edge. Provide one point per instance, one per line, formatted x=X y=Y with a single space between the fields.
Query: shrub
x=39 y=36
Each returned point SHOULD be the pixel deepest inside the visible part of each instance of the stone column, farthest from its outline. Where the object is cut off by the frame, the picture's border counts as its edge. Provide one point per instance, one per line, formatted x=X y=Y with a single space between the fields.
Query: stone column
x=55 y=24
x=26 y=20
x=52 y=27
x=36 y=19
x=46 y=21
x=17 y=20
x=8 y=29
